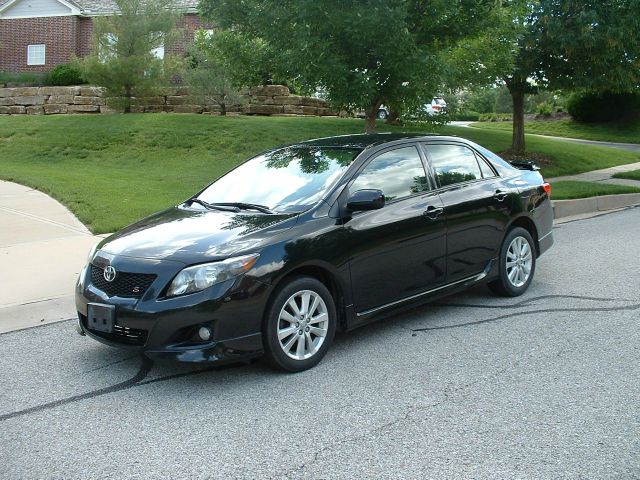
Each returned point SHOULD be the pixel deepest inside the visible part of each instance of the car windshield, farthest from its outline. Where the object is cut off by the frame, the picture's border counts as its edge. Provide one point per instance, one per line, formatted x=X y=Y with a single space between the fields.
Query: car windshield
x=439 y=101
x=290 y=179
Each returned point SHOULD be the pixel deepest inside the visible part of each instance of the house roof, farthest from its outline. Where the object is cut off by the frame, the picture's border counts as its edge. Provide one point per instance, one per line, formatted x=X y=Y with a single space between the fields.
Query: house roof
x=109 y=6
x=100 y=7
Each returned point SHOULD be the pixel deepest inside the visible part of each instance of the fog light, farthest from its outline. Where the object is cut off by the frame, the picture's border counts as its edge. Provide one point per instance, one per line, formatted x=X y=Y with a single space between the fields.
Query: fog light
x=204 y=333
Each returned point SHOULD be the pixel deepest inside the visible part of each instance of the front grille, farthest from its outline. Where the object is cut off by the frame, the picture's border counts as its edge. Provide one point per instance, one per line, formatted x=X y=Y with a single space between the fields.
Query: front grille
x=130 y=285
x=124 y=335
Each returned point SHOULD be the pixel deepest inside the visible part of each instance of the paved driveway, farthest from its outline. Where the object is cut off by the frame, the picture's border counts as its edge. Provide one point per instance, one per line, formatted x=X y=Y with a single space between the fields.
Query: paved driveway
x=543 y=386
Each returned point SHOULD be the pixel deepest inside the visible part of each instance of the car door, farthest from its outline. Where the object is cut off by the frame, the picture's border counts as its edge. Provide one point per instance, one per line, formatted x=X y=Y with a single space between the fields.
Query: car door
x=477 y=207
x=399 y=250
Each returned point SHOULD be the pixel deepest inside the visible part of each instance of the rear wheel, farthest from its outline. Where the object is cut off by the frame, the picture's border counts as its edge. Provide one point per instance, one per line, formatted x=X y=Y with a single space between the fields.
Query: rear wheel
x=517 y=264
x=300 y=325
x=382 y=114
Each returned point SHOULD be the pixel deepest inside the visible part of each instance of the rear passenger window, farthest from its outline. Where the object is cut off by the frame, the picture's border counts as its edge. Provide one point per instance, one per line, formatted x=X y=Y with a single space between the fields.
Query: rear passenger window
x=453 y=164
x=487 y=172
x=398 y=173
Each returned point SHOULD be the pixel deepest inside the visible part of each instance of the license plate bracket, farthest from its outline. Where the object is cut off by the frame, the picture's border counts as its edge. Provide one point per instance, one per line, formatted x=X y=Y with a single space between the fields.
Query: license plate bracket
x=100 y=317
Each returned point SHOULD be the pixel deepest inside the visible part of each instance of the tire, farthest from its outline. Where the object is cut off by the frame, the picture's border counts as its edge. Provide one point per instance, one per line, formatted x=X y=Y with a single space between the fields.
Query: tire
x=517 y=264
x=382 y=114
x=296 y=339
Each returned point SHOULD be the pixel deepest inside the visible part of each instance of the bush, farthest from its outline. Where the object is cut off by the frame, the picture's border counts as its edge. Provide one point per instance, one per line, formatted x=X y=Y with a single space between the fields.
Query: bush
x=465 y=116
x=21 y=79
x=496 y=117
x=604 y=107
x=65 y=74
x=545 y=109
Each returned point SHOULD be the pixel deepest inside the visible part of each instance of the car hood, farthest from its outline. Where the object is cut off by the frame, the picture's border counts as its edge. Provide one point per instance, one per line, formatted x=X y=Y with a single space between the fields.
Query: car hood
x=192 y=236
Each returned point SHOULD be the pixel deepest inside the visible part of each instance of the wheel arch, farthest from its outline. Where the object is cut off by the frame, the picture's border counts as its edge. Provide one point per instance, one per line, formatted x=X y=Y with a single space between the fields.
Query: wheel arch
x=530 y=226
x=325 y=276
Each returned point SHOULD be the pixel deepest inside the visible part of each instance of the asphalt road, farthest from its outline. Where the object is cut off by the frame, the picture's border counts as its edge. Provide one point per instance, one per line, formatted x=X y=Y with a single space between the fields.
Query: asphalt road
x=543 y=386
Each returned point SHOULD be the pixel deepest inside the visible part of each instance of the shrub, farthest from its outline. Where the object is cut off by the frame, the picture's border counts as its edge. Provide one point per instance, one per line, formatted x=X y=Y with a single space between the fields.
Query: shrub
x=65 y=74
x=604 y=107
x=496 y=117
x=545 y=109
x=465 y=116
x=26 y=79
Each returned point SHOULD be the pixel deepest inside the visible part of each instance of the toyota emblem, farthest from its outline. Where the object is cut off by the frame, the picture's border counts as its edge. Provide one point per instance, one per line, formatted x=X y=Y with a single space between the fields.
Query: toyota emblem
x=109 y=274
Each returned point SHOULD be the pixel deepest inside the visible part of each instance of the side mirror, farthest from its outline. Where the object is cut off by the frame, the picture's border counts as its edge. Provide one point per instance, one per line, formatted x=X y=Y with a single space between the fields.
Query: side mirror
x=365 y=200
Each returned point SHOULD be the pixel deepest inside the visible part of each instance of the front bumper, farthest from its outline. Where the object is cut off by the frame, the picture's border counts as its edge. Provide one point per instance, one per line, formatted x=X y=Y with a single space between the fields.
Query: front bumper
x=167 y=327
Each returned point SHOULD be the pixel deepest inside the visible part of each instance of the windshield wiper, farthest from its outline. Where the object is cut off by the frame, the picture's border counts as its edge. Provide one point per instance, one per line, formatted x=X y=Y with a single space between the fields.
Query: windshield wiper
x=213 y=206
x=246 y=206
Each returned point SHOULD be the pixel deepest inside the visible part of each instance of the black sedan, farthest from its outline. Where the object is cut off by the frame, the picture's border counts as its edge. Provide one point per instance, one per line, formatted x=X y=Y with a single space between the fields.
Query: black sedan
x=274 y=256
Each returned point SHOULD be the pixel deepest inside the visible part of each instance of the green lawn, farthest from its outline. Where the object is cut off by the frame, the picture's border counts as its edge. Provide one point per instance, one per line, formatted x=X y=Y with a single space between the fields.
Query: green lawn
x=632 y=175
x=566 y=189
x=568 y=128
x=113 y=169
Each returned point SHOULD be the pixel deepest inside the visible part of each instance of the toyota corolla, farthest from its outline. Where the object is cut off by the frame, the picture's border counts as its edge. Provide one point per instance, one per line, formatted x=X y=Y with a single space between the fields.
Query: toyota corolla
x=303 y=240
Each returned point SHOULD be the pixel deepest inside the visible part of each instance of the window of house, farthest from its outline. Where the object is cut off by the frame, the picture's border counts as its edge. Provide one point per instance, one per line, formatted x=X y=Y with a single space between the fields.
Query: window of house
x=398 y=173
x=203 y=34
x=107 y=47
x=158 y=52
x=36 y=54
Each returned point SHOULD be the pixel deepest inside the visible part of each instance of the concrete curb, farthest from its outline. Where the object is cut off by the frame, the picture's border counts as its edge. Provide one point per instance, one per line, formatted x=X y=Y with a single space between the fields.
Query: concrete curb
x=580 y=206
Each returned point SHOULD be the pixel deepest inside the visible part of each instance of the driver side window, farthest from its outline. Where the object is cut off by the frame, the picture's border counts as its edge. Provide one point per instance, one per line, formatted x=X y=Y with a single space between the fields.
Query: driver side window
x=398 y=173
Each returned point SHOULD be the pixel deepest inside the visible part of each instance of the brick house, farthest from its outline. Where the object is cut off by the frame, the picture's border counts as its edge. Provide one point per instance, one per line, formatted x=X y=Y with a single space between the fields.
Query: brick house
x=37 y=35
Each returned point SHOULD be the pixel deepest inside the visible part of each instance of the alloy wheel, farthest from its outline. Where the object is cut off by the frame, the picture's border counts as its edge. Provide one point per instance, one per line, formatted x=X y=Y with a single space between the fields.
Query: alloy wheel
x=303 y=324
x=519 y=261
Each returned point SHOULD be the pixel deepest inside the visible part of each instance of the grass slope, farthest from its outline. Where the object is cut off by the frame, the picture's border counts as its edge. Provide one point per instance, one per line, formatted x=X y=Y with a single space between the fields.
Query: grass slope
x=632 y=175
x=113 y=169
x=622 y=133
x=566 y=189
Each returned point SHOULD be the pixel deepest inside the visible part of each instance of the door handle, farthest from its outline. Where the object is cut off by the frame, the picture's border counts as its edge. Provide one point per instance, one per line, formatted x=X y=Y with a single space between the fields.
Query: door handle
x=500 y=195
x=433 y=212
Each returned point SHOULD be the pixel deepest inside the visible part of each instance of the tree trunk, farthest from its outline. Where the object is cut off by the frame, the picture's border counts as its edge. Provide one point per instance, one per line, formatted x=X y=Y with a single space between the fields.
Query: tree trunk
x=127 y=102
x=517 y=140
x=371 y=114
x=223 y=109
x=393 y=118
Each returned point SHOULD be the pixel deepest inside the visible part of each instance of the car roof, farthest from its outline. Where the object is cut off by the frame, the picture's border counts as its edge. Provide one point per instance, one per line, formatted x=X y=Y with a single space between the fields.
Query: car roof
x=363 y=141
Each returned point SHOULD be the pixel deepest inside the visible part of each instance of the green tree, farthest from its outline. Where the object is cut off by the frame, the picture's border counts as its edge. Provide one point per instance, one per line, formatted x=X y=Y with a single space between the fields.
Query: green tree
x=574 y=44
x=481 y=100
x=362 y=53
x=249 y=60
x=207 y=77
x=123 y=59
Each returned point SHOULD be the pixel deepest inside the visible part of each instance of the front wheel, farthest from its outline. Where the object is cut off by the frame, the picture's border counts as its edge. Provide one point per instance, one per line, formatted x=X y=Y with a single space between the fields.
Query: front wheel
x=382 y=114
x=300 y=325
x=517 y=264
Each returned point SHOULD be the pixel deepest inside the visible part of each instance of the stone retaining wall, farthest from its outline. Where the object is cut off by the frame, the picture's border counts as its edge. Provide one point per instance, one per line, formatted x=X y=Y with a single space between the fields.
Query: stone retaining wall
x=265 y=100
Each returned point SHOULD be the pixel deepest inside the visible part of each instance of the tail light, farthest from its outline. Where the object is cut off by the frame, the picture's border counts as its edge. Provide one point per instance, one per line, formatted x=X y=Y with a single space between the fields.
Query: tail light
x=547 y=188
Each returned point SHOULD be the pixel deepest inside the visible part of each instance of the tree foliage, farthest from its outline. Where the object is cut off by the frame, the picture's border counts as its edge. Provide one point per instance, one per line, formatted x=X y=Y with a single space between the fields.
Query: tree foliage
x=605 y=107
x=574 y=44
x=122 y=59
x=362 y=53
x=207 y=77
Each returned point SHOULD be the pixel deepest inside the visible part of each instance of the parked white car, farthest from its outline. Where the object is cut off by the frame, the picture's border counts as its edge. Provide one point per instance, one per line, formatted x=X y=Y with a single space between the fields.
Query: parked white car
x=436 y=107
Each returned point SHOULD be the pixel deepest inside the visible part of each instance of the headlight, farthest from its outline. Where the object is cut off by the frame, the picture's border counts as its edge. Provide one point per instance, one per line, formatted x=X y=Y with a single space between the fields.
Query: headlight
x=92 y=252
x=199 y=277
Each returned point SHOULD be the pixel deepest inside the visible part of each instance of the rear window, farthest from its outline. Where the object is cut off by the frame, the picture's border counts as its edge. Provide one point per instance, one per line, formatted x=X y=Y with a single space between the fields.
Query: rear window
x=504 y=169
x=453 y=164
